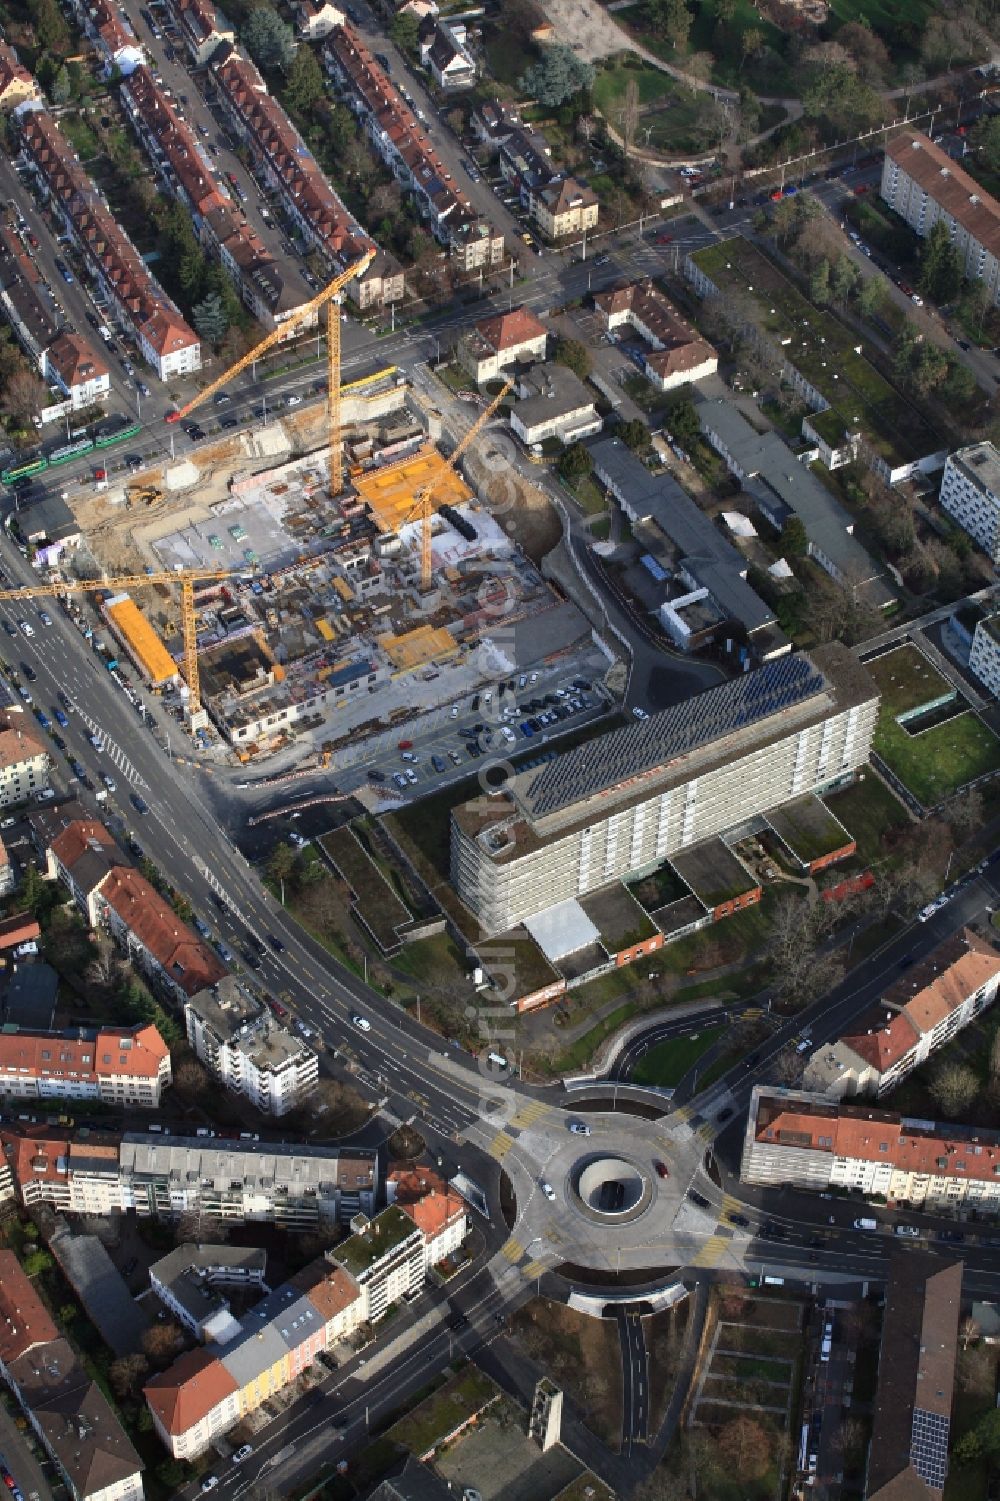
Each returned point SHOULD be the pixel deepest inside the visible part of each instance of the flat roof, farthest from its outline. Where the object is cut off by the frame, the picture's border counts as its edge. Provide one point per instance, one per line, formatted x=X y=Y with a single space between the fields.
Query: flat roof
x=384 y=1233
x=390 y=493
x=981 y=462
x=562 y=929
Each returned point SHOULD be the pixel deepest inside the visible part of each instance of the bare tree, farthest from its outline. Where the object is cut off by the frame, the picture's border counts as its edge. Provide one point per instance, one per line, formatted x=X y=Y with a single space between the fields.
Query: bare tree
x=161 y=1343
x=966 y=815
x=198 y=1227
x=969 y=1331
x=127 y=1374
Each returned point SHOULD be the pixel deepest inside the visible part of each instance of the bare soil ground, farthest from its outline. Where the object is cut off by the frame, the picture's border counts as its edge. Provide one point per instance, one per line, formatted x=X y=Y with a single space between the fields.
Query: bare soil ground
x=582 y=1355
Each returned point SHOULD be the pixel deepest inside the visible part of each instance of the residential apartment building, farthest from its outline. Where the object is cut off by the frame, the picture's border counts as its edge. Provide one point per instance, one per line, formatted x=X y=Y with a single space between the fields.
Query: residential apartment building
x=17 y=85
x=908 y=1451
x=622 y=804
x=445 y=55
x=81 y=855
x=284 y=162
x=559 y=205
x=107 y=26
x=407 y=150
x=170 y=955
x=189 y=1279
x=271 y=289
x=138 y=301
x=923 y=184
x=984 y=657
x=386 y=1257
x=494 y=344
x=916 y=1015
x=781 y=487
x=970 y=493
x=204 y=28
x=24 y=763
x=794 y=1137
x=552 y=402
x=160 y=1176
x=76 y=374
x=435 y=1208
x=242 y=1044
x=294 y=1186
x=128 y=1066
x=316 y=21
x=679 y=354
x=70 y=1415
x=206 y=1392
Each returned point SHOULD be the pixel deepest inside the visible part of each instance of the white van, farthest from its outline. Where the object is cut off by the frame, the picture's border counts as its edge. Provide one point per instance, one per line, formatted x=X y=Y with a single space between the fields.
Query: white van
x=865 y=1224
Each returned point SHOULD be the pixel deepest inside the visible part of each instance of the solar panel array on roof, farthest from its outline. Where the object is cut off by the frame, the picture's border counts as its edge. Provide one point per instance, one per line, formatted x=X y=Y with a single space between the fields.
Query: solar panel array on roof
x=639 y=748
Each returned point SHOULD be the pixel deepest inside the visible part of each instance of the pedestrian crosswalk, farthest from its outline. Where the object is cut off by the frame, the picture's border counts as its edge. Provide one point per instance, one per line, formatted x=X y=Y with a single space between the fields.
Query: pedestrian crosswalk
x=711 y=1252
x=512 y=1250
x=730 y=1205
x=531 y=1113
x=500 y=1145
x=112 y=750
x=533 y=1269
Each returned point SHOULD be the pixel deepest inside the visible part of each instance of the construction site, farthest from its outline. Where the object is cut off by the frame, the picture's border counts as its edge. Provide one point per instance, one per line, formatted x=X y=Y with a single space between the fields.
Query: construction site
x=336 y=571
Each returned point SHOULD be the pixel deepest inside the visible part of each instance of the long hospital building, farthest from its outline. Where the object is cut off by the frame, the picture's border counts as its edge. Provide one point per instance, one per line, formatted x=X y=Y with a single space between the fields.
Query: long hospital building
x=618 y=806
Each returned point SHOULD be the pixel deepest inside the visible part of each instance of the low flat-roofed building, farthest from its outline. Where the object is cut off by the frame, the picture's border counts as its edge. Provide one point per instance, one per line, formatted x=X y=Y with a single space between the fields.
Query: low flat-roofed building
x=189 y=1278
x=552 y=402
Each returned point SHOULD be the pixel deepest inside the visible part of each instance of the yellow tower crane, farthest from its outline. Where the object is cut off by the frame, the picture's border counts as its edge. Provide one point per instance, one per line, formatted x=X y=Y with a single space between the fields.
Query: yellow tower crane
x=331 y=298
x=187 y=578
x=422 y=507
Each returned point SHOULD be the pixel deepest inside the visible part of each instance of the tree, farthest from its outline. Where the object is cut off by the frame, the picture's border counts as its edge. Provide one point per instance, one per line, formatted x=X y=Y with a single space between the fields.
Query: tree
x=23 y=395
x=745 y=1447
x=574 y=463
x=192 y=1079
x=868 y=51
x=634 y=434
x=871 y=297
x=819 y=283
x=844 y=279
x=304 y=82
x=574 y=355
x=940 y=267
x=62 y=88
x=969 y=1331
x=985 y=140
x=672 y=20
x=954 y=1088
x=794 y=539
x=269 y=40
x=36 y=1262
x=127 y=1374
x=967 y=815
x=209 y=318
x=161 y=1342
x=751 y=45
x=51 y=30
x=280 y=865
x=556 y=77
x=682 y=422
x=36 y=894
x=403 y=31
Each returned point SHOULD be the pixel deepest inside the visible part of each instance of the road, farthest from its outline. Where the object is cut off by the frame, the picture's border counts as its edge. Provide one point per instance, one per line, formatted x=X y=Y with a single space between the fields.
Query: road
x=635 y=1382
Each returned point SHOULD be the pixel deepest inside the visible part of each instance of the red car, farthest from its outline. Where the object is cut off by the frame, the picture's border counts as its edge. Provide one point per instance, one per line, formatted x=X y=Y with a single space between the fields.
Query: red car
x=406 y=745
x=664 y=239
x=662 y=1171
x=776 y=195
x=861 y=188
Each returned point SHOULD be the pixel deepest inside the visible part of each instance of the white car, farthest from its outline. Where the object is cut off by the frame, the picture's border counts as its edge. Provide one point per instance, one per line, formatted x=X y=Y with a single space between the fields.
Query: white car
x=26 y=628
x=242 y=1453
x=908 y=1230
x=453 y=712
x=45 y=617
x=579 y=1128
x=638 y=713
x=210 y=1482
x=293 y=401
x=362 y=1023
x=547 y=1189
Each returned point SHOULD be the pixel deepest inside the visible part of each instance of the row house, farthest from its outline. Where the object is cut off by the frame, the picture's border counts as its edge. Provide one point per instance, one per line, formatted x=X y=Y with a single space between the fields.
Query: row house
x=794 y=1138
x=146 y=927
x=140 y=304
x=81 y=856
x=65 y=1407
x=290 y=170
x=123 y=1067
x=272 y=291
x=107 y=26
x=403 y=144
x=206 y=1392
x=76 y=374
x=204 y=28
x=915 y=1016
x=71 y=1177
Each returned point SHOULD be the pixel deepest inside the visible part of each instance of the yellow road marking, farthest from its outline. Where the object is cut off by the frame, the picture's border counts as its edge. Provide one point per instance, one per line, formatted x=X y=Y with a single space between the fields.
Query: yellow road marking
x=513 y=1250
x=711 y=1252
x=500 y=1145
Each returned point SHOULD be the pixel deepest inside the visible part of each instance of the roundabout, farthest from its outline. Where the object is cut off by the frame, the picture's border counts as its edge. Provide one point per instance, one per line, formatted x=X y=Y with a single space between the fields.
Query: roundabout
x=611 y=1189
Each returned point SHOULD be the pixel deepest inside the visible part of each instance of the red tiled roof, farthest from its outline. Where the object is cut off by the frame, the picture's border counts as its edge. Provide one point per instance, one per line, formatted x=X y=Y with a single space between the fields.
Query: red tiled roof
x=950 y=186
x=24 y=1319
x=79 y=838
x=510 y=330
x=435 y=1211
x=682 y=349
x=17 y=747
x=190 y=963
x=152 y=313
x=18 y=929
x=75 y=361
x=101 y=1054
x=329 y=1288
x=35 y=1159
x=186 y=1393
x=12 y=70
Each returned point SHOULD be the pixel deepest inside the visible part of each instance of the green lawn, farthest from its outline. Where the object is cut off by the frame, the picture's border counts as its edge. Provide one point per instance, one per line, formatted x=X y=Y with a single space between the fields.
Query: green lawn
x=589 y=496
x=667 y=1063
x=935 y=764
x=906 y=680
x=610 y=85
x=674 y=119
x=768 y=75
x=506 y=58
x=869 y=810
x=434 y=1419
